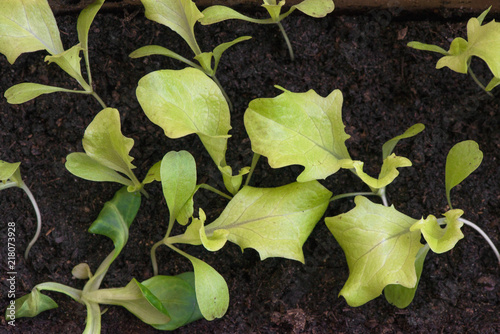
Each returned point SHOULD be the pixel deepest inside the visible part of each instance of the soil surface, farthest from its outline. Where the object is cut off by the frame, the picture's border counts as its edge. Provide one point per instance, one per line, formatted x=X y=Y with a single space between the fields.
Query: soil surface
x=387 y=87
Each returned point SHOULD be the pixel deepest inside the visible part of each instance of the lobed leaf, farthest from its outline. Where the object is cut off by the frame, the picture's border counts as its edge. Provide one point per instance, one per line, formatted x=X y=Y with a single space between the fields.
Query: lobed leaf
x=178 y=179
x=387 y=174
x=380 y=249
x=300 y=128
x=27 y=26
x=69 y=61
x=440 y=239
x=274 y=221
x=178 y=15
x=463 y=158
x=27 y=91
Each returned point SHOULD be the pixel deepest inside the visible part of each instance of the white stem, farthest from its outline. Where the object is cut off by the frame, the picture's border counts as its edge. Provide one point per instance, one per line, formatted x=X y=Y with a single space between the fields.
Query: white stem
x=38 y=218
x=484 y=235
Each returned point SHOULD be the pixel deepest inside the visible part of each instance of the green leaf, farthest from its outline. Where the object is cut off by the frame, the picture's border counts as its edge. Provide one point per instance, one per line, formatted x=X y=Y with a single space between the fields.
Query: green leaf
x=30 y=305
x=428 y=47
x=153 y=174
x=400 y=296
x=483 y=42
x=300 y=128
x=83 y=166
x=440 y=239
x=116 y=217
x=82 y=271
x=8 y=169
x=220 y=49
x=379 y=247
x=27 y=91
x=389 y=145
x=136 y=298
x=274 y=221
x=150 y=50
x=212 y=292
x=387 y=174
x=178 y=296
x=315 y=8
x=492 y=84
x=85 y=20
x=27 y=26
x=178 y=15
x=481 y=17
x=69 y=61
x=217 y=13
x=178 y=179
x=185 y=102
x=463 y=158
x=233 y=182
x=273 y=8
x=104 y=142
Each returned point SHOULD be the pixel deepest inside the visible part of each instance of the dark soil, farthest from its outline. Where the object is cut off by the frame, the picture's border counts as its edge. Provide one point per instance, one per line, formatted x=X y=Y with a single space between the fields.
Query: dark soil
x=387 y=88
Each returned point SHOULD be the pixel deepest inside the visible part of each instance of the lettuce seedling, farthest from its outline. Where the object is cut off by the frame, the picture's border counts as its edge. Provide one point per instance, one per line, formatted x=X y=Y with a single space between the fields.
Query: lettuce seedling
x=313 y=8
x=181 y=16
x=164 y=302
x=382 y=246
x=483 y=42
x=10 y=176
x=28 y=26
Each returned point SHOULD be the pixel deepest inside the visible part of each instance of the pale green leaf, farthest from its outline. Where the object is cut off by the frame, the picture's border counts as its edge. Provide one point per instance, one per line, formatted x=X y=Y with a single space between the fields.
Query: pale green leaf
x=440 y=239
x=212 y=292
x=178 y=179
x=483 y=41
x=214 y=242
x=178 y=15
x=220 y=49
x=136 y=298
x=104 y=142
x=85 y=20
x=233 y=182
x=205 y=60
x=427 y=47
x=29 y=305
x=27 y=91
x=27 y=26
x=82 y=271
x=463 y=158
x=187 y=102
x=154 y=174
x=401 y=296
x=274 y=9
x=178 y=296
x=481 y=17
x=274 y=221
x=492 y=84
x=300 y=128
x=379 y=247
x=8 y=169
x=93 y=319
x=316 y=8
x=387 y=174
x=83 y=166
x=389 y=145
x=152 y=50
x=69 y=61
x=217 y=13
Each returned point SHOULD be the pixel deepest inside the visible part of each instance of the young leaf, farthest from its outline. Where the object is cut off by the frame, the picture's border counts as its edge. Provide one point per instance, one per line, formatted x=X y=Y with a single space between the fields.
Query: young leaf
x=27 y=91
x=178 y=296
x=387 y=174
x=427 y=47
x=463 y=158
x=315 y=8
x=27 y=26
x=185 y=102
x=492 y=84
x=300 y=128
x=85 y=20
x=136 y=298
x=211 y=289
x=154 y=174
x=389 y=145
x=9 y=171
x=83 y=166
x=178 y=15
x=217 y=13
x=69 y=61
x=274 y=221
x=274 y=8
x=150 y=50
x=401 y=296
x=31 y=305
x=440 y=239
x=178 y=179
x=379 y=247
